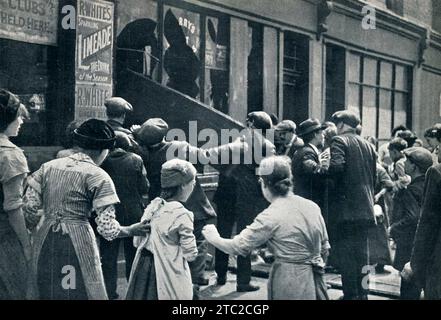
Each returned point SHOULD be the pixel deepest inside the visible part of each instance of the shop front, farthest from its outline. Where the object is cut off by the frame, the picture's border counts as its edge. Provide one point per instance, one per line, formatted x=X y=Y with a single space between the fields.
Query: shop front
x=215 y=61
x=28 y=66
x=57 y=57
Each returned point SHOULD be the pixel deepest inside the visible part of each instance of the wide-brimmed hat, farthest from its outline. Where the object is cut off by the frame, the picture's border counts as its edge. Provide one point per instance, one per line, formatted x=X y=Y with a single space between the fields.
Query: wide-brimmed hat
x=310 y=125
x=94 y=134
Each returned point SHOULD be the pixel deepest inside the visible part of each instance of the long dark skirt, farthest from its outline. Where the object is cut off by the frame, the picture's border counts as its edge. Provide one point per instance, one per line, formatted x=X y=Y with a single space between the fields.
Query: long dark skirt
x=142 y=285
x=13 y=268
x=59 y=275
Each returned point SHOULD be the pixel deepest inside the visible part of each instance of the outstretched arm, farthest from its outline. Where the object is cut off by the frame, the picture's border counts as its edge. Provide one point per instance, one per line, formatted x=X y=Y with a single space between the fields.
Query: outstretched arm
x=109 y=228
x=253 y=236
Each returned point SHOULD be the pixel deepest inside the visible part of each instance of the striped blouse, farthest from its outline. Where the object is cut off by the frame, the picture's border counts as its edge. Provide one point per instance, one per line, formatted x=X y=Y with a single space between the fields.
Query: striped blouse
x=72 y=188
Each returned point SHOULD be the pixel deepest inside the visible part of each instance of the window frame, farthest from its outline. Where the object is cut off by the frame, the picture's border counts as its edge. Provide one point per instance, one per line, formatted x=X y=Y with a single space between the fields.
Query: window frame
x=379 y=87
x=204 y=14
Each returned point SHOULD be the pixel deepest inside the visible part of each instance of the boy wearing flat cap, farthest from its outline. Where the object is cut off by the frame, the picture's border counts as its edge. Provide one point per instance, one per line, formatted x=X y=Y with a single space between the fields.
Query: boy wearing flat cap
x=353 y=169
x=406 y=213
x=308 y=166
x=116 y=110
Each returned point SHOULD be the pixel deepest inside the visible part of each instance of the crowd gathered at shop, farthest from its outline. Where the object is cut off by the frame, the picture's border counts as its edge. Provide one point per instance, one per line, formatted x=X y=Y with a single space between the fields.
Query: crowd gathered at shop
x=322 y=198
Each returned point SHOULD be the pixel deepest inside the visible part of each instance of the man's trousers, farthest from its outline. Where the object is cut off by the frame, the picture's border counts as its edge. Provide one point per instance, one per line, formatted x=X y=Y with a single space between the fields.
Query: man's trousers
x=109 y=259
x=353 y=257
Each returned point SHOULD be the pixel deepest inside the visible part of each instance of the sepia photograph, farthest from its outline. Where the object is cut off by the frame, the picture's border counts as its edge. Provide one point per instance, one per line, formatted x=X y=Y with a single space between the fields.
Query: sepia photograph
x=220 y=154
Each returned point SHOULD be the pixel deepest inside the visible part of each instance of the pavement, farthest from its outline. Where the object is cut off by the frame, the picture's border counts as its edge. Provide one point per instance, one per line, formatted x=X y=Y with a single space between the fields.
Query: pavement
x=382 y=287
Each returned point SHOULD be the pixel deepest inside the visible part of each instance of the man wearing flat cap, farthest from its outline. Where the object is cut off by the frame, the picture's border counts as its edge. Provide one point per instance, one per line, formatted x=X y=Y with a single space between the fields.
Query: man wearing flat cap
x=285 y=138
x=353 y=170
x=308 y=166
x=116 y=110
x=406 y=213
x=424 y=267
x=248 y=201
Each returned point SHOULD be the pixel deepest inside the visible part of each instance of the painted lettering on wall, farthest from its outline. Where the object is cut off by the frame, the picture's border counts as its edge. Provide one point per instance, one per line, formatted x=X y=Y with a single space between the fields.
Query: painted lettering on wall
x=93 y=62
x=33 y=21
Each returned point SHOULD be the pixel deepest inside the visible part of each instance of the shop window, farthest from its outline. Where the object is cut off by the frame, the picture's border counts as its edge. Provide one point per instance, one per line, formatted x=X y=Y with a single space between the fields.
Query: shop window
x=383 y=91
x=395 y=6
x=369 y=111
x=137 y=37
x=385 y=115
x=217 y=38
x=30 y=75
x=385 y=103
x=335 y=80
x=295 y=77
x=182 y=50
x=255 y=67
x=436 y=14
x=183 y=47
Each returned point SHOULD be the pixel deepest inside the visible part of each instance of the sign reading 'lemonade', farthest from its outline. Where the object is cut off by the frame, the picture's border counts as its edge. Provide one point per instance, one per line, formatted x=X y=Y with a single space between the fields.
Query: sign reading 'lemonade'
x=33 y=21
x=93 y=61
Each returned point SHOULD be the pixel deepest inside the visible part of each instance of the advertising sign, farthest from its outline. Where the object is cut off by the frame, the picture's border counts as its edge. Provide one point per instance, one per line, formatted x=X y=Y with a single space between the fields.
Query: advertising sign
x=33 y=21
x=93 y=60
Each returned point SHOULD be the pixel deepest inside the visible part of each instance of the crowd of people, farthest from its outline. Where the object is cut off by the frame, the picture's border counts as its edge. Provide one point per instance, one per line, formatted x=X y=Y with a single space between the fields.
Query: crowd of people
x=320 y=199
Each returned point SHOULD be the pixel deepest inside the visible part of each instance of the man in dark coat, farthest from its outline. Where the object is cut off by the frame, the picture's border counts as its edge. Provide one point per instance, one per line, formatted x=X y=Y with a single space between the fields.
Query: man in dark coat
x=424 y=267
x=406 y=213
x=353 y=168
x=130 y=178
x=116 y=110
x=248 y=200
x=308 y=168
